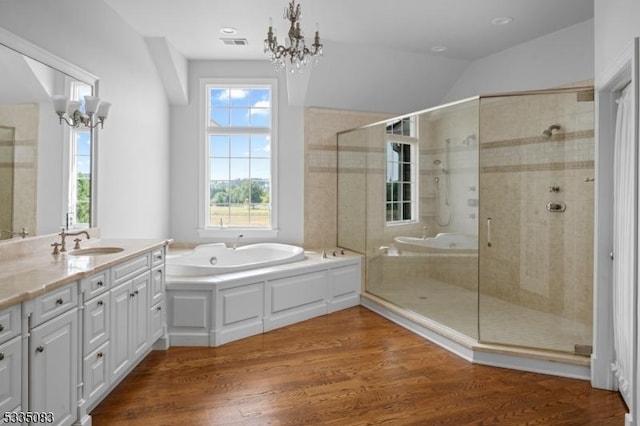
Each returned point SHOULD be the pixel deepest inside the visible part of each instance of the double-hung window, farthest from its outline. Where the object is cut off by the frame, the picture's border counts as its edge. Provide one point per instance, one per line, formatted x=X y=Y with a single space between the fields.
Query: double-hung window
x=239 y=140
x=401 y=183
x=79 y=209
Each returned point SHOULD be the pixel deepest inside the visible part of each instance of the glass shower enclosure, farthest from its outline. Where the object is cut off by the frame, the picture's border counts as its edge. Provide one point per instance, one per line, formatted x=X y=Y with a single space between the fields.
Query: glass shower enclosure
x=478 y=216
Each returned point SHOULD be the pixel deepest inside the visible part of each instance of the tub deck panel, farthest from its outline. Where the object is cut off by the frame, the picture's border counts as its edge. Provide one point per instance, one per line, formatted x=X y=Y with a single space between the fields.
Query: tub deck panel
x=239 y=312
x=295 y=299
x=214 y=310
x=189 y=318
x=344 y=288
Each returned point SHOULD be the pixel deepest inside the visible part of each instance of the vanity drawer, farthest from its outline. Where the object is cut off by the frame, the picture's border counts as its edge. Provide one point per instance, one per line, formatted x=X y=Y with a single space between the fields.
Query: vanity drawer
x=95 y=285
x=54 y=303
x=157 y=256
x=10 y=322
x=131 y=268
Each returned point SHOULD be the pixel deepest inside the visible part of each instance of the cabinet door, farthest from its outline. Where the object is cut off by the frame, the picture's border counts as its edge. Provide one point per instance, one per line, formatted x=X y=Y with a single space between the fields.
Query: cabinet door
x=157 y=319
x=53 y=367
x=120 y=329
x=157 y=285
x=10 y=374
x=96 y=322
x=140 y=315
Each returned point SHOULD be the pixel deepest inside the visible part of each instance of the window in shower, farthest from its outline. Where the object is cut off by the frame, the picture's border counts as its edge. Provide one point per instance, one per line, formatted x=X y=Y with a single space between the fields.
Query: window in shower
x=401 y=206
x=239 y=151
x=405 y=126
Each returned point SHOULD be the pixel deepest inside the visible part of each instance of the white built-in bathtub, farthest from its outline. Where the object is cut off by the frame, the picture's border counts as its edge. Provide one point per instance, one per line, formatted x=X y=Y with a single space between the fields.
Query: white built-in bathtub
x=253 y=289
x=445 y=242
x=213 y=259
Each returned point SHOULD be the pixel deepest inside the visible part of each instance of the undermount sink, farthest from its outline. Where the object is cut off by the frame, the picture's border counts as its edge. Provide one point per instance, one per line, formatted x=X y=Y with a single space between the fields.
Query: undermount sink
x=95 y=251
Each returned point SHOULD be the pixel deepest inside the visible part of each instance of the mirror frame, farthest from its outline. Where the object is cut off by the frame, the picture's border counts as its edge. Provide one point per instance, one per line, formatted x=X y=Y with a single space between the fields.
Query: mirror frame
x=26 y=48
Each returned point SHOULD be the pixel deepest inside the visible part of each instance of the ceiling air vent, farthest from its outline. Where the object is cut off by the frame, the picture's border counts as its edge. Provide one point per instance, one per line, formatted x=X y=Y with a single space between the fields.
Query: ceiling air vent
x=235 y=41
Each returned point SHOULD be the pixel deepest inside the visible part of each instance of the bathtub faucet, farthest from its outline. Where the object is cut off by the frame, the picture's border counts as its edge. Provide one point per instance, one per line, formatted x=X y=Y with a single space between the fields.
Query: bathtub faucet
x=235 y=243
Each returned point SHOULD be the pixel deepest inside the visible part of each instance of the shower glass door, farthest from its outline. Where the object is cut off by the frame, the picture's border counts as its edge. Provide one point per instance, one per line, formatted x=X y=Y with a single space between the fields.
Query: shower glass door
x=408 y=200
x=536 y=220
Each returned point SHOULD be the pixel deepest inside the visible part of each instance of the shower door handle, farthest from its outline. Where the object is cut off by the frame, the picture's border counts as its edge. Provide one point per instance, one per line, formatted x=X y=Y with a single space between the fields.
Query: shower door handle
x=489 y=231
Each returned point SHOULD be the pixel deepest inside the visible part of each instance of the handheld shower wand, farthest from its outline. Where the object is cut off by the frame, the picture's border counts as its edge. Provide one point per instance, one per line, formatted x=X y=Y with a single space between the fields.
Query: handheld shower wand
x=547 y=133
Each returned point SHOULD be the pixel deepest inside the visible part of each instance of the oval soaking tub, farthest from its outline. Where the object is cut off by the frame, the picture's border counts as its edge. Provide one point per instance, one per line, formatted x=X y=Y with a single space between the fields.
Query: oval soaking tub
x=444 y=242
x=212 y=259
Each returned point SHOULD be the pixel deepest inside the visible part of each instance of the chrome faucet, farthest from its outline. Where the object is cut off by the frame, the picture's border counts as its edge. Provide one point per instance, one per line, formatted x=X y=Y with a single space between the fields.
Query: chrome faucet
x=23 y=233
x=235 y=243
x=62 y=244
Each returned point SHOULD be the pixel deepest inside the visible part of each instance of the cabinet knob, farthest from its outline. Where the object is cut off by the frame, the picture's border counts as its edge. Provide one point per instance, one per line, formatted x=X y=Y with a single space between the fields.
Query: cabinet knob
x=159 y=257
x=40 y=349
x=100 y=303
x=59 y=301
x=1 y=356
x=99 y=283
x=132 y=295
x=1 y=328
x=136 y=292
x=99 y=355
x=159 y=308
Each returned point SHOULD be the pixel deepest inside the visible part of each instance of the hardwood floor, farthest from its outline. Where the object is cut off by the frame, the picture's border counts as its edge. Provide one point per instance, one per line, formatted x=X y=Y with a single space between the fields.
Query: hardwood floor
x=349 y=368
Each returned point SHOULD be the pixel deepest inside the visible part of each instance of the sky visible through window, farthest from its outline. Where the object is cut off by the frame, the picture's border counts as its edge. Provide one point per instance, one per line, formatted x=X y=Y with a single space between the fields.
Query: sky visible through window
x=239 y=143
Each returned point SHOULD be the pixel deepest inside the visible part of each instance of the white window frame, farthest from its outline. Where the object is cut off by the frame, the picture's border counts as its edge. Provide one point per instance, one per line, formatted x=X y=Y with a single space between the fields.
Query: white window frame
x=413 y=143
x=206 y=230
x=69 y=205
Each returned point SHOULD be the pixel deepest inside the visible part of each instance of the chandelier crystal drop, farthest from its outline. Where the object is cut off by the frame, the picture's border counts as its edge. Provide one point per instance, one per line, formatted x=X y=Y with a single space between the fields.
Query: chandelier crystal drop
x=294 y=52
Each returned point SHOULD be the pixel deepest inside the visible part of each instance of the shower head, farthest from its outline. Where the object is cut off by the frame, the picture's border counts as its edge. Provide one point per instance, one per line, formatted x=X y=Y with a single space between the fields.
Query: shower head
x=547 y=133
x=439 y=163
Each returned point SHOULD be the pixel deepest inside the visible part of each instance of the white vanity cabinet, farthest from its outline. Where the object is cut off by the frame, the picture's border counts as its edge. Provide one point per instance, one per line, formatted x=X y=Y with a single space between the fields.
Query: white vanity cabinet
x=96 y=333
x=10 y=359
x=129 y=314
x=157 y=292
x=53 y=354
x=78 y=327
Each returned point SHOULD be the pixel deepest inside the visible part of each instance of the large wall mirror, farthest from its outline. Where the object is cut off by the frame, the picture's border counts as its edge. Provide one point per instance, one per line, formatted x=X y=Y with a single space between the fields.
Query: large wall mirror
x=47 y=178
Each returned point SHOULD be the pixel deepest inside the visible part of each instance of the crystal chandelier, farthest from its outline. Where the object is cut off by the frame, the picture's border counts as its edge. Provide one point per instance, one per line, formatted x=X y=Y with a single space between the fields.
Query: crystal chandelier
x=295 y=51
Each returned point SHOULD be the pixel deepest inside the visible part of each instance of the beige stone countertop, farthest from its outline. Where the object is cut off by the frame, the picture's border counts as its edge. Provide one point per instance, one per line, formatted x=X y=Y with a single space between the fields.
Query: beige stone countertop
x=38 y=271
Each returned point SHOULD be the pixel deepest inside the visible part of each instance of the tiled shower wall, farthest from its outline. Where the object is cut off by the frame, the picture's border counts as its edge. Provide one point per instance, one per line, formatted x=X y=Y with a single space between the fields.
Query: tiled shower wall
x=450 y=136
x=320 y=180
x=24 y=119
x=6 y=178
x=537 y=258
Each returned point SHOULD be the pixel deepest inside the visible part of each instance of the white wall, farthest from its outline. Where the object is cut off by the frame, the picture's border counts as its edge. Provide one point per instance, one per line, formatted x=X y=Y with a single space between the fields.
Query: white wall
x=559 y=58
x=380 y=80
x=133 y=162
x=616 y=24
x=186 y=158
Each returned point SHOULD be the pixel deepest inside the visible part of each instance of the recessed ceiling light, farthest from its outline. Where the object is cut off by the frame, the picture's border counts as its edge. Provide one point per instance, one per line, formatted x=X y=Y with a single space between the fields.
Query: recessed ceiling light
x=502 y=20
x=438 y=49
x=228 y=30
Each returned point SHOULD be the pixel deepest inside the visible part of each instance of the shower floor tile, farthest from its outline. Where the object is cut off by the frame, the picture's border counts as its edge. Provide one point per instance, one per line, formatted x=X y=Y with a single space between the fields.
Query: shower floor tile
x=500 y=321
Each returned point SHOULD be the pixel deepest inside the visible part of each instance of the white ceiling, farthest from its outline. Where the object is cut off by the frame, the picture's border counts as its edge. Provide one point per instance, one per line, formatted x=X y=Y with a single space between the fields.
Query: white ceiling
x=464 y=26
